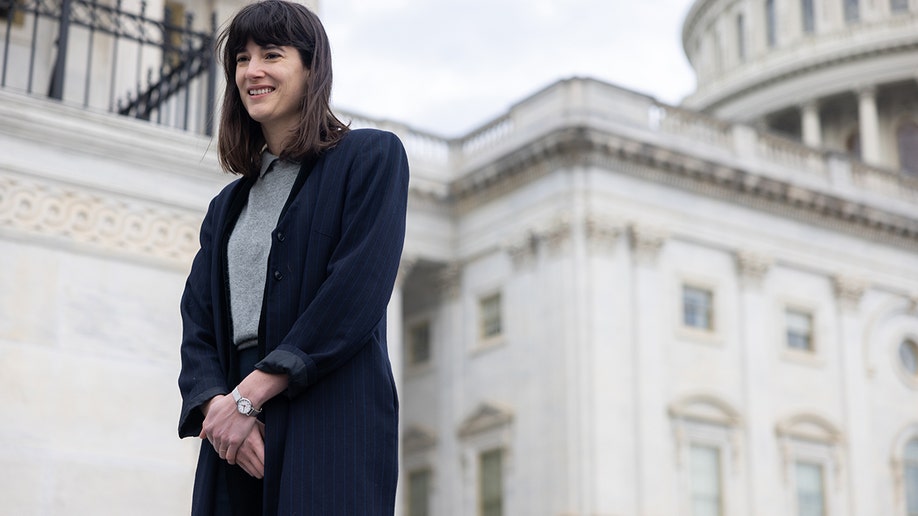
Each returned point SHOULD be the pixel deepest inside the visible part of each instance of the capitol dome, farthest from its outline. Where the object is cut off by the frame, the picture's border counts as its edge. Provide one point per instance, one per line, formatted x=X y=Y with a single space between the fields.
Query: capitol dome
x=835 y=74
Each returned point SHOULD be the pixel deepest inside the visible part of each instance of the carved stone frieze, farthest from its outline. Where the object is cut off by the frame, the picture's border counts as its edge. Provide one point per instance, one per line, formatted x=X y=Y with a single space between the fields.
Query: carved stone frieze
x=102 y=222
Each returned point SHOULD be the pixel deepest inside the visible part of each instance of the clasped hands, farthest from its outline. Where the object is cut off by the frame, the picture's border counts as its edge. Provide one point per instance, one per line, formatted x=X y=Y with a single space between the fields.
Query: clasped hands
x=237 y=438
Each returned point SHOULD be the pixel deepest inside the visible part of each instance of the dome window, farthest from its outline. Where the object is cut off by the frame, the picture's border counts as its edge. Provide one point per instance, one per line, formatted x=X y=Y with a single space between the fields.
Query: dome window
x=907 y=137
x=908 y=356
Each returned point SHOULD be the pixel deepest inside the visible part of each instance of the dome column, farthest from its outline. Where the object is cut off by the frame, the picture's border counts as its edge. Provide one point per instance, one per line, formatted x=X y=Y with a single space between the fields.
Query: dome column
x=811 y=124
x=868 y=121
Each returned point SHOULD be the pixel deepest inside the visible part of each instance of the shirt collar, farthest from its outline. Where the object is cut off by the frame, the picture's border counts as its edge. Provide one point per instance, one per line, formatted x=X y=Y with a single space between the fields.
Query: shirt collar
x=267 y=160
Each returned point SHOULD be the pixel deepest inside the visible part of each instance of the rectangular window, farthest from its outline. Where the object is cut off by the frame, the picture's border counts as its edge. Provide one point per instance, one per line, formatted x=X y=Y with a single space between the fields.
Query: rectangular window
x=799 y=326
x=706 y=481
x=852 y=10
x=697 y=308
x=489 y=312
x=771 y=23
x=419 y=343
x=419 y=492
x=491 y=480
x=809 y=17
x=741 y=37
x=898 y=6
x=810 y=489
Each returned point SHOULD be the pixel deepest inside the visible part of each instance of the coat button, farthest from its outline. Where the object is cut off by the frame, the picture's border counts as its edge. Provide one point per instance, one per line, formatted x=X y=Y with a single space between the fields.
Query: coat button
x=278 y=276
x=281 y=237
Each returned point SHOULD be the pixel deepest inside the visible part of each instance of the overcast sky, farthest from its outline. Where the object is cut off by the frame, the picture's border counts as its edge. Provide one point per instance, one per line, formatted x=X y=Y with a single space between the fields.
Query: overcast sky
x=448 y=66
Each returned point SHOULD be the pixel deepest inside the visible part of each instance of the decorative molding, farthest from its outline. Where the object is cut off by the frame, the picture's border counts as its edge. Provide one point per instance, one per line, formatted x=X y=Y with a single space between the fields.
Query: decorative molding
x=555 y=232
x=418 y=438
x=550 y=234
x=707 y=410
x=646 y=242
x=522 y=249
x=449 y=280
x=752 y=267
x=405 y=266
x=849 y=290
x=603 y=233
x=487 y=416
x=809 y=428
x=590 y=146
x=100 y=222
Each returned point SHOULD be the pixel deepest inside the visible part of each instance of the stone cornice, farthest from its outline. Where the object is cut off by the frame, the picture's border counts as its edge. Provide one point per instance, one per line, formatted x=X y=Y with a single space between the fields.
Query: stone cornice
x=711 y=99
x=586 y=146
x=107 y=135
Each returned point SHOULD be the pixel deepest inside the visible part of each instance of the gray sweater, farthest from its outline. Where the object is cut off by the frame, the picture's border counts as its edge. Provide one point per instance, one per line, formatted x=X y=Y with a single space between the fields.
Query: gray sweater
x=250 y=243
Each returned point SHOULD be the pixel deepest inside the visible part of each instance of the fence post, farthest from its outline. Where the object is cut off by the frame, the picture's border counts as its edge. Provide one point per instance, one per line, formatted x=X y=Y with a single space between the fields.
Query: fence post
x=210 y=53
x=57 y=76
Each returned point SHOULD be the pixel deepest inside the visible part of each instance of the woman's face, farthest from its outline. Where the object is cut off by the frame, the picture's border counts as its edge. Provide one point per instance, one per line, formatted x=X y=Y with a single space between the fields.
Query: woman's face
x=271 y=82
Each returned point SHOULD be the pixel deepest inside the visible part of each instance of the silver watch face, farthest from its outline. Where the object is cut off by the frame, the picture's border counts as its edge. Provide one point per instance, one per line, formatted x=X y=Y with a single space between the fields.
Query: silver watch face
x=244 y=406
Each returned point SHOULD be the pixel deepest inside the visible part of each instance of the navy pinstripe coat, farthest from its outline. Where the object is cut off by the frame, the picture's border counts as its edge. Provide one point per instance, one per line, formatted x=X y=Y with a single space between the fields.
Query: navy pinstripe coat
x=331 y=441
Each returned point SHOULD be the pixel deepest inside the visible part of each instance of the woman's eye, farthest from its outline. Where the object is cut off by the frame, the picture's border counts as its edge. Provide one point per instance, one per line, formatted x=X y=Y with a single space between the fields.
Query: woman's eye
x=241 y=59
x=272 y=55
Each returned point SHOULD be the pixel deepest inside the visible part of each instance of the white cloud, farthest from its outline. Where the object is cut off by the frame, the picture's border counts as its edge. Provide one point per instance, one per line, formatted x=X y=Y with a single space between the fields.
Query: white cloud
x=448 y=66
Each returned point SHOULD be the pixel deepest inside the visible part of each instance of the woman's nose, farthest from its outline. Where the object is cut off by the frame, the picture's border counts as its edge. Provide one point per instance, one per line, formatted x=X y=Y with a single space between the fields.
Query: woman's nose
x=254 y=69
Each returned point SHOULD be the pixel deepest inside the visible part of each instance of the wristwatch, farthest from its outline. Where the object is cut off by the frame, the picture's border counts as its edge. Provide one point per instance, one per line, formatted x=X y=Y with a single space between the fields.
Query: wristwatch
x=244 y=405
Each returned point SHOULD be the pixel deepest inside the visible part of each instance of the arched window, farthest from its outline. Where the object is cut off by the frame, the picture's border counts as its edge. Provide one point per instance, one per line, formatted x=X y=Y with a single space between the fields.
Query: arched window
x=853 y=144
x=809 y=16
x=907 y=137
x=898 y=6
x=910 y=467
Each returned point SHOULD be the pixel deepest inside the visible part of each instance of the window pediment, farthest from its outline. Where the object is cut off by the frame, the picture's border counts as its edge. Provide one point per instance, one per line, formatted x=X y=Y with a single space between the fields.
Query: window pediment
x=706 y=409
x=487 y=416
x=809 y=427
x=418 y=438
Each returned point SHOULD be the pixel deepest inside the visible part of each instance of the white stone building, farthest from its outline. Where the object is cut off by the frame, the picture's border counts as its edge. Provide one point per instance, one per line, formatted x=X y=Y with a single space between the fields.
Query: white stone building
x=607 y=305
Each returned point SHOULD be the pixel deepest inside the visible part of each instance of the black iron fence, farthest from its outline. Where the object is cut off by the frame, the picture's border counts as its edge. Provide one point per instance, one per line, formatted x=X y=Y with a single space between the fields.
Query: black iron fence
x=156 y=68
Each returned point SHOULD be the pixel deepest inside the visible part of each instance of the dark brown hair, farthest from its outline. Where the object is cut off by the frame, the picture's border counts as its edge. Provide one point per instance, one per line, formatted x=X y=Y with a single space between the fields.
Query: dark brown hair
x=281 y=23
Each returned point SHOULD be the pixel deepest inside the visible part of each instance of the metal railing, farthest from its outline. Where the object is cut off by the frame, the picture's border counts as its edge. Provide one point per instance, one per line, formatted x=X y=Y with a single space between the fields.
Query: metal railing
x=103 y=56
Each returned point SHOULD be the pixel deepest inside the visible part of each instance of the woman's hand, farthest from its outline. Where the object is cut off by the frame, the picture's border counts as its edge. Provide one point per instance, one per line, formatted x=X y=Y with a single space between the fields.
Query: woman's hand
x=226 y=428
x=251 y=456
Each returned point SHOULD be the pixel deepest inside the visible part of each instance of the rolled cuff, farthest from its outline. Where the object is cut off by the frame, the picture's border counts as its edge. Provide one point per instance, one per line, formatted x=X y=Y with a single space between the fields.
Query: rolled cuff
x=280 y=361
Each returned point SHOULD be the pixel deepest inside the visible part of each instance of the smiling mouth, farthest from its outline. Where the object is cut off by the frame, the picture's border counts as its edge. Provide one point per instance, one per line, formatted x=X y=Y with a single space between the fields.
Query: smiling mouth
x=260 y=91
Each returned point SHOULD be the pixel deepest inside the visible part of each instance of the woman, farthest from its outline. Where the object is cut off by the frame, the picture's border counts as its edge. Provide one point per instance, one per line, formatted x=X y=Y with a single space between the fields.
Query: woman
x=285 y=370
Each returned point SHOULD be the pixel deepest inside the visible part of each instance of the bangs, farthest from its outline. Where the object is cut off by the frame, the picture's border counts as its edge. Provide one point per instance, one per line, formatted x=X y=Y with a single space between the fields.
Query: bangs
x=268 y=23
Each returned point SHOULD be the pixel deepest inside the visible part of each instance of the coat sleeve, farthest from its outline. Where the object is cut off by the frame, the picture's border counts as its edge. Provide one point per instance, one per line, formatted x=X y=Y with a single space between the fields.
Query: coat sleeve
x=201 y=377
x=361 y=271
